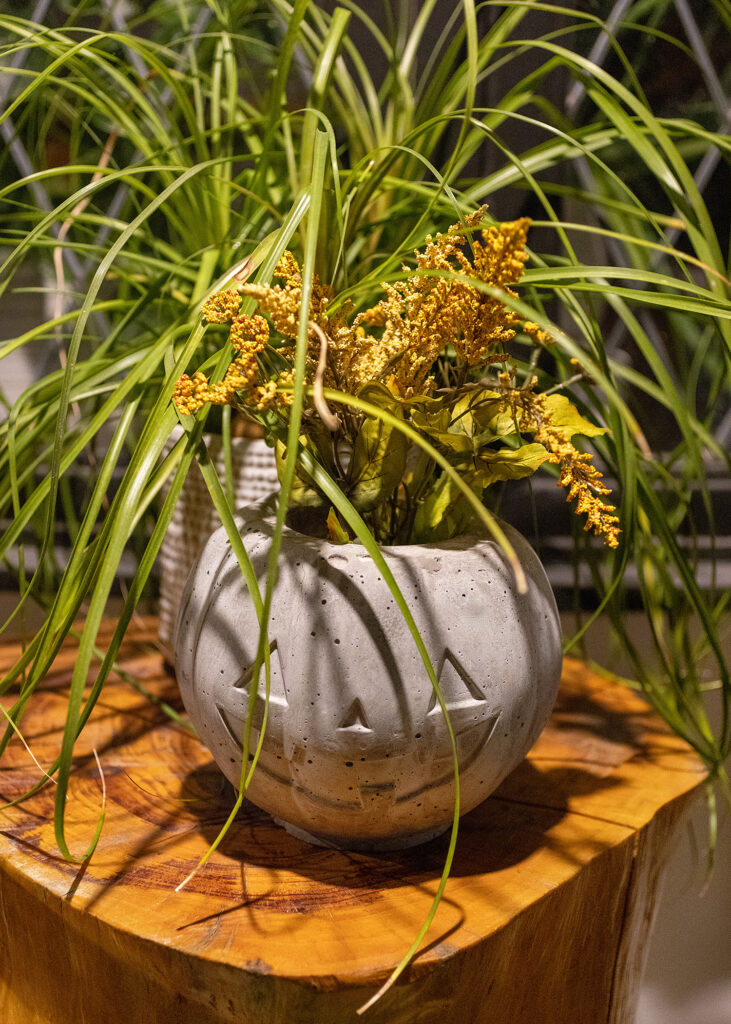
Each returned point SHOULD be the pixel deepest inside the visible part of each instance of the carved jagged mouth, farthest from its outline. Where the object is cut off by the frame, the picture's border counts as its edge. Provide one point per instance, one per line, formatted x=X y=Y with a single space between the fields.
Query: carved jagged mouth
x=365 y=792
x=464 y=766
x=236 y=732
x=464 y=702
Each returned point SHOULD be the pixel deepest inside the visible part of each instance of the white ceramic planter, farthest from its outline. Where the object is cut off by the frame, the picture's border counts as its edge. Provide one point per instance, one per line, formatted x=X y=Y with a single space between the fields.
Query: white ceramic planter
x=356 y=751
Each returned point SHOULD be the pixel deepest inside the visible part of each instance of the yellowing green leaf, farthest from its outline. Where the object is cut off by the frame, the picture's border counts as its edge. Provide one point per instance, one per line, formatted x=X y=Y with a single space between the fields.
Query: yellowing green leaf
x=482 y=414
x=435 y=423
x=568 y=419
x=377 y=464
x=304 y=492
x=510 y=464
x=444 y=513
x=336 y=532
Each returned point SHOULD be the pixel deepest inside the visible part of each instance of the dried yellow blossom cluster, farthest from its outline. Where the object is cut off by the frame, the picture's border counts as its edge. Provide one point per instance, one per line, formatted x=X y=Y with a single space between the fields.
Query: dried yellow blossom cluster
x=242 y=384
x=221 y=307
x=536 y=333
x=433 y=309
x=450 y=303
x=577 y=471
x=249 y=334
x=418 y=318
x=282 y=305
x=583 y=480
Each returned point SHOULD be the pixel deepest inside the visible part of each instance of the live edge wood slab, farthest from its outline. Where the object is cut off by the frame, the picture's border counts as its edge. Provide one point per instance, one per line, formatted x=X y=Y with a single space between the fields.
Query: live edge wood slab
x=544 y=919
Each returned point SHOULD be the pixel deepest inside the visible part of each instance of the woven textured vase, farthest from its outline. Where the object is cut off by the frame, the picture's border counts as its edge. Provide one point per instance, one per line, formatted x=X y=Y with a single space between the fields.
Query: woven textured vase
x=195 y=518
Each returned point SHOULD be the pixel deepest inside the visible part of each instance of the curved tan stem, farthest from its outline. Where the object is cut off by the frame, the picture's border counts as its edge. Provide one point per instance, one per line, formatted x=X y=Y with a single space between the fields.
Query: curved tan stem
x=330 y=420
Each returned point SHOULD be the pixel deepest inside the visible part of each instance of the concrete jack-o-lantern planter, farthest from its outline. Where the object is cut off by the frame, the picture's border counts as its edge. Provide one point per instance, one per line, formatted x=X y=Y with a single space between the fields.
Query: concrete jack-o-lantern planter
x=356 y=751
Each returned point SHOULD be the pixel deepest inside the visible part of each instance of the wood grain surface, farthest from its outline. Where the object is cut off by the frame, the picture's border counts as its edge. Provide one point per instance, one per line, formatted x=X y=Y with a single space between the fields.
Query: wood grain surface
x=544 y=920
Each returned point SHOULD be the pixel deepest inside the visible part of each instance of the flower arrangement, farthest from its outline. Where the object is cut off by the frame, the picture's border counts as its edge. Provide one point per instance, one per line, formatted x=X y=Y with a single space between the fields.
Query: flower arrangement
x=434 y=353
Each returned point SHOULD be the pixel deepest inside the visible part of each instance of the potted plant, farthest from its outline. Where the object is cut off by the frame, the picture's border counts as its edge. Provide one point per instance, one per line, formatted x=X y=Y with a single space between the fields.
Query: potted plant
x=194 y=158
x=432 y=411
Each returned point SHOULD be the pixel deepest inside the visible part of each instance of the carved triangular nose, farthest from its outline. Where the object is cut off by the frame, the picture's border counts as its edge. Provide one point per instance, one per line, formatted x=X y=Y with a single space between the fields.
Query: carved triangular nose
x=355 y=718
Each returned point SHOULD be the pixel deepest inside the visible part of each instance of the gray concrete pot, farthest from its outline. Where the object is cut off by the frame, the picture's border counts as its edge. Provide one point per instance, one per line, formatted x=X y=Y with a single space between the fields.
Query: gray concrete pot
x=356 y=751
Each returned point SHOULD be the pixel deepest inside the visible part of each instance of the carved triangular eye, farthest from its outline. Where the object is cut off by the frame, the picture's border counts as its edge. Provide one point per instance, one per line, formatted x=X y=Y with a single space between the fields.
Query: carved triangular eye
x=459 y=690
x=355 y=718
x=277 y=688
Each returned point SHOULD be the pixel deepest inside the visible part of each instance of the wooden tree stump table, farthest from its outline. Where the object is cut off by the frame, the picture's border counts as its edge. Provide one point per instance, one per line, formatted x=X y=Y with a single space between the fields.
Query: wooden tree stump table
x=544 y=920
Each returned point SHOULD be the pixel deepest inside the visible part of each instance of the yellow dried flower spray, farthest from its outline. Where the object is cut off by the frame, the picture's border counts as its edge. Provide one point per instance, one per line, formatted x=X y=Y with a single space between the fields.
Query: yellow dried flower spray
x=424 y=352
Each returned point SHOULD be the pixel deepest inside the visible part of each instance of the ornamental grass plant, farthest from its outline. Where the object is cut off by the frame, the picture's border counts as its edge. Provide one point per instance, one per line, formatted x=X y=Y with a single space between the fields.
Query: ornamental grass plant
x=254 y=209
